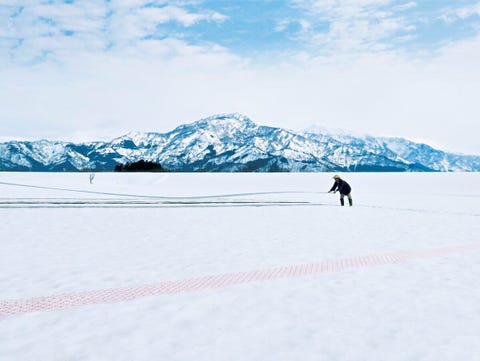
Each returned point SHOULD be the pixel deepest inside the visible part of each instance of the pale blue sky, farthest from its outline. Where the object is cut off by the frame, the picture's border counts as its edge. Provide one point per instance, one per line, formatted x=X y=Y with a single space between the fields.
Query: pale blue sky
x=94 y=69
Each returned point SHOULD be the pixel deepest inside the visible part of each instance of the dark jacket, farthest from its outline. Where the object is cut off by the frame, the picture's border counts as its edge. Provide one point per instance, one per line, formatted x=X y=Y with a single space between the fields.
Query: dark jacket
x=341 y=186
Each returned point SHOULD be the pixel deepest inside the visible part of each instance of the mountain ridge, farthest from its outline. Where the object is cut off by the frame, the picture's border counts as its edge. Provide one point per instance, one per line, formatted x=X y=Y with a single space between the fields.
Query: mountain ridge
x=234 y=143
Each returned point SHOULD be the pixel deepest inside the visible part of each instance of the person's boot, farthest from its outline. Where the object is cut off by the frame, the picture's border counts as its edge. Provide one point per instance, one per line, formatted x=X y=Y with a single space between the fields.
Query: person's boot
x=342 y=202
x=350 y=200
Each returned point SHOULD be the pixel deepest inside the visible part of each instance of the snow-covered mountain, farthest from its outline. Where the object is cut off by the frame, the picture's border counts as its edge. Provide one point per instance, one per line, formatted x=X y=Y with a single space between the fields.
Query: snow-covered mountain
x=231 y=143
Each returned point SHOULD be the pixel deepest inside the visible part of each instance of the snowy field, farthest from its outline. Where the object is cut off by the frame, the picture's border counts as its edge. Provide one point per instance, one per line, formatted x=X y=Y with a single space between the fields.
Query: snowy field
x=239 y=267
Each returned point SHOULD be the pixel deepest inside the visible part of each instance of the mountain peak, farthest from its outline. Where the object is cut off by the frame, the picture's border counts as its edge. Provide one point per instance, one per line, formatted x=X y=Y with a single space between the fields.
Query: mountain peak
x=235 y=119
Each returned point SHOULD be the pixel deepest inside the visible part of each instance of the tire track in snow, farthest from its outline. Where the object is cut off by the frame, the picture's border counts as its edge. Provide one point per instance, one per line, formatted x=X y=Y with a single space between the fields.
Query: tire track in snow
x=102 y=296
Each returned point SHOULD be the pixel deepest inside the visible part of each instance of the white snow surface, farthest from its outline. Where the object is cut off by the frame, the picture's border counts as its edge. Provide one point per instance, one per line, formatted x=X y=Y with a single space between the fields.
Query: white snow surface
x=59 y=234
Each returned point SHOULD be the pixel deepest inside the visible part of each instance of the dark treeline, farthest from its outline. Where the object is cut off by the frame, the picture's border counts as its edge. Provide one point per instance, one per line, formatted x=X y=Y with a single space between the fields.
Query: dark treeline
x=140 y=166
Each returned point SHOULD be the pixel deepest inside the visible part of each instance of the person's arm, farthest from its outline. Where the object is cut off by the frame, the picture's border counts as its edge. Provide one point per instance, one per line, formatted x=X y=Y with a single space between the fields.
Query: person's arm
x=333 y=188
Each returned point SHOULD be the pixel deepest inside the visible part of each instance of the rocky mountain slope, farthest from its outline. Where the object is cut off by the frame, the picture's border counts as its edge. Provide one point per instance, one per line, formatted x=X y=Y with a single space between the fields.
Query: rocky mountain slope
x=233 y=143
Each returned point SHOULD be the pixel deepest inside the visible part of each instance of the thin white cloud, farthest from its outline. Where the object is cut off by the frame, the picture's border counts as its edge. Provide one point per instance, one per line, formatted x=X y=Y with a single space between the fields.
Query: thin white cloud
x=461 y=13
x=354 y=25
x=178 y=14
x=406 y=6
x=282 y=25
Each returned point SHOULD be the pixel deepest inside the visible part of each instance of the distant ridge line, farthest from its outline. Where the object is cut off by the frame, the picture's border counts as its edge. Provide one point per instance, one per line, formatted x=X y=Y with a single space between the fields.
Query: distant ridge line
x=234 y=143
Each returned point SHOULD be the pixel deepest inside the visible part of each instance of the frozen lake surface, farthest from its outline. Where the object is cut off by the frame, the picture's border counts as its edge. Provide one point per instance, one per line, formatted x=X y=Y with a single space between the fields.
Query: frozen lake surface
x=239 y=267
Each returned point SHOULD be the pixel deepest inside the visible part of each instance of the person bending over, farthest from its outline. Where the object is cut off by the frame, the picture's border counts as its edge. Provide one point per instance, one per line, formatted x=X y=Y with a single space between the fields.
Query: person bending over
x=344 y=188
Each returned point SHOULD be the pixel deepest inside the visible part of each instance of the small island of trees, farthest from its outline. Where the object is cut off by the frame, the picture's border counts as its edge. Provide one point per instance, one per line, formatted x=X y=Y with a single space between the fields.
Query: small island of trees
x=140 y=166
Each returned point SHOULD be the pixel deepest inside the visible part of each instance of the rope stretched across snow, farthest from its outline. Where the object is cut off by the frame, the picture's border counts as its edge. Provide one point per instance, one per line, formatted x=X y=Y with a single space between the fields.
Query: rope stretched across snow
x=159 y=197
x=177 y=201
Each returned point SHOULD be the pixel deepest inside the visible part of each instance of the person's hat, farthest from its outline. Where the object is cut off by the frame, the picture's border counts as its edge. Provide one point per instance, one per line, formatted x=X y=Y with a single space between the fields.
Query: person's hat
x=336 y=176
